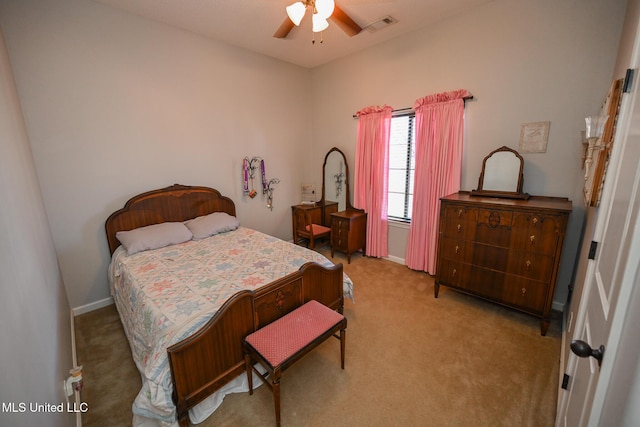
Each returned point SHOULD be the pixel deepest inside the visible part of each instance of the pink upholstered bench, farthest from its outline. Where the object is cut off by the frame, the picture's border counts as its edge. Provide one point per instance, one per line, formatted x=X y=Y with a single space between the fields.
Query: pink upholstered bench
x=285 y=341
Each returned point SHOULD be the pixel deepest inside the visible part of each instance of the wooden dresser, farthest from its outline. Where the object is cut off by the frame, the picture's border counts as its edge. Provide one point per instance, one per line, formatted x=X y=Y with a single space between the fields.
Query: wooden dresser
x=503 y=250
x=348 y=232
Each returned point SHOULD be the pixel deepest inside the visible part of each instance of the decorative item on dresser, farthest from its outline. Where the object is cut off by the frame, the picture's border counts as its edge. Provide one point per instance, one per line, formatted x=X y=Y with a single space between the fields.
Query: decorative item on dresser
x=506 y=250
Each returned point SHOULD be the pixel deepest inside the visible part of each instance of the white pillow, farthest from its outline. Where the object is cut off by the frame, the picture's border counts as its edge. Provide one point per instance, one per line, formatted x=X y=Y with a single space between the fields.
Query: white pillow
x=214 y=223
x=153 y=236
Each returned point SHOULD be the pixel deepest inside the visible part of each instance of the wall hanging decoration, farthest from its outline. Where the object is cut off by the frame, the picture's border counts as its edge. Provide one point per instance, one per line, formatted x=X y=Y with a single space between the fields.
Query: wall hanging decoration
x=534 y=137
x=599 y=135
x=249 y=167
x=269 y=190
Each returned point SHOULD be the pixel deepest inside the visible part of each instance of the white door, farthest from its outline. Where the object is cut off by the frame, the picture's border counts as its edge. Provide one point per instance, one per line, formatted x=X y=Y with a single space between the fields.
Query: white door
x=610 y=276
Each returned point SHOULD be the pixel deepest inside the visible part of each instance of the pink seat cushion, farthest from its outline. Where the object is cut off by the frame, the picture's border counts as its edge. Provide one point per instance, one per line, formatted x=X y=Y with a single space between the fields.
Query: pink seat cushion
x=317 y=229
x=281 y=339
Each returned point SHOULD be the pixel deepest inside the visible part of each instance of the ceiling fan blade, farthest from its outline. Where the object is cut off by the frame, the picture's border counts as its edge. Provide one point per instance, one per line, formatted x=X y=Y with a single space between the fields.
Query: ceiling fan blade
x=283 y=31
x=345 y=22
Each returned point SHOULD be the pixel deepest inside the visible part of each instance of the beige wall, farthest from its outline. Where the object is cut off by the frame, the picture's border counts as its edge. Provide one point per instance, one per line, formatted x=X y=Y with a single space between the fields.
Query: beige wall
x=35 y=337
x=523 y=61
x=116 y=105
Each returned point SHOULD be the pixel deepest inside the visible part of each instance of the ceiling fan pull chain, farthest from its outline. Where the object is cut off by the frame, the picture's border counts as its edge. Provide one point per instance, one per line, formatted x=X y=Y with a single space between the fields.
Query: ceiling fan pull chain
x=313 y=40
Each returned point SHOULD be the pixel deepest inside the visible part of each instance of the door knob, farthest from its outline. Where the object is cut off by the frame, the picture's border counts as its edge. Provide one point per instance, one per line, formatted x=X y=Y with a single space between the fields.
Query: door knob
x=582 y=349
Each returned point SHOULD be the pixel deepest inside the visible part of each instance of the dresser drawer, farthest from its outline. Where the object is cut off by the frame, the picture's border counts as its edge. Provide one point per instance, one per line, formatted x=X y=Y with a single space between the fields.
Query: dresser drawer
x=453 y=273
x=494 y=227
x=340 y=233
x=458 y=222
x=531 y=265
x=489 y=256
x=479 y=281
x=340 y=226
x=456 y=250
x=536 y=233
x=459 y=212
x=528 y=295
x=486 y=283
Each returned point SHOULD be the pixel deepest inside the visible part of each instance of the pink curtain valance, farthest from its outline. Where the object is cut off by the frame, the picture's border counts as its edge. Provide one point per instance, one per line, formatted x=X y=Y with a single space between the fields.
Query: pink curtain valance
x=374 y=109
x=441 y=97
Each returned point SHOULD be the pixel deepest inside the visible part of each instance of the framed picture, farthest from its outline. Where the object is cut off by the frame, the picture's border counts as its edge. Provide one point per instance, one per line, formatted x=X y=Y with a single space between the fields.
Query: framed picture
x=534 y=137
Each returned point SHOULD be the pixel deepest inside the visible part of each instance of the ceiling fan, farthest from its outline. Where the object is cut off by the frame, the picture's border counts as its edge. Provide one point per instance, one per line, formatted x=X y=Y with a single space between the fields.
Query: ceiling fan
x=321 y=11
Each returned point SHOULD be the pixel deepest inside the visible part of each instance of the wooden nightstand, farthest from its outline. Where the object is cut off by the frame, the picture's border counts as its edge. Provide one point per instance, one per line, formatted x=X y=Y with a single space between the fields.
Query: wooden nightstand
x=348 y=232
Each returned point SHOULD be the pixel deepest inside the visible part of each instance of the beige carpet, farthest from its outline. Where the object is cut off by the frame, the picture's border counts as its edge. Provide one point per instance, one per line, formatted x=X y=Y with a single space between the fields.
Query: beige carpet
x=411 y=360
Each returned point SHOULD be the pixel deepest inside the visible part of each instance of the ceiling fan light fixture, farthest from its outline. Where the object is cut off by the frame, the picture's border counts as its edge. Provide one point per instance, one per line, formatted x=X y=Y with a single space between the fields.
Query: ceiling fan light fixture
x=319 y=23
x=296 y=12
x=324 y=8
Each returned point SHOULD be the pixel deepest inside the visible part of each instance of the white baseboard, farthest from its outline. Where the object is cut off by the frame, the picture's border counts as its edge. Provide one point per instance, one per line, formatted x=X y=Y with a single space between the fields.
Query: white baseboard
x=395 y=259
x=557 y=306
x=74 y=360
x=91 y=306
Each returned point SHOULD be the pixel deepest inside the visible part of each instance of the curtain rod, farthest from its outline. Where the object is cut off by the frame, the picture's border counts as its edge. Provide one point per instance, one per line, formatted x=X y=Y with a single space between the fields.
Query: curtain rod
x=401 y=110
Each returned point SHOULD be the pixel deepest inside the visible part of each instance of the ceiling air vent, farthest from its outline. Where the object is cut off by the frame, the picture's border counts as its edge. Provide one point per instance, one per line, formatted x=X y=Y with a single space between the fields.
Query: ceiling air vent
x=380 y=24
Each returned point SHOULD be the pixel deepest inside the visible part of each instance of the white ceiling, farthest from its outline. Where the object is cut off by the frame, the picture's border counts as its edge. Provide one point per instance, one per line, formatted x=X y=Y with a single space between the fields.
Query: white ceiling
x=250 y=24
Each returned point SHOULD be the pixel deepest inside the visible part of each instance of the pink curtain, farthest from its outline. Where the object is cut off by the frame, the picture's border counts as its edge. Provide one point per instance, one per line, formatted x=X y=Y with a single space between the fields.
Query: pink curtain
x=439 y=140
x=371 y=175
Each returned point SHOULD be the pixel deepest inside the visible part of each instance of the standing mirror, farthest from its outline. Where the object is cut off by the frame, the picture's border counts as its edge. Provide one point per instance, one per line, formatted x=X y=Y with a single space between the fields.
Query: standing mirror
x=501 y=175
x=335 y=179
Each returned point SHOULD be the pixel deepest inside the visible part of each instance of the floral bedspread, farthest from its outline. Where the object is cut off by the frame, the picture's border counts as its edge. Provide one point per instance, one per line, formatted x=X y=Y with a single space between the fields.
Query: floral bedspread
x=165 y=295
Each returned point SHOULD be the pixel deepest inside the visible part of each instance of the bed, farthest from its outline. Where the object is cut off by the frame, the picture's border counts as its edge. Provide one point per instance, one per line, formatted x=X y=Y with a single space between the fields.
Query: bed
x=186 y=306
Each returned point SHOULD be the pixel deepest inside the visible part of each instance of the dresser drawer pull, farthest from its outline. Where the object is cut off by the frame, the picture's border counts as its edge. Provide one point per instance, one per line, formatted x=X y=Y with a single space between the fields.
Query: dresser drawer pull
x=524 y=291
x=533 y=239
x=453 y=273
x=528 y=265
x=457 y=249
x=459 y=228
x=459 y=213
x=534 y=220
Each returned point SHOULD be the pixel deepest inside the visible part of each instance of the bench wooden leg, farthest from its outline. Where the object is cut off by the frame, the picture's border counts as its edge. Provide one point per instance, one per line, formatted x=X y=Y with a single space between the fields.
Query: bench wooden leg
x=275 y=387
x=248 y=368
x=343 y=333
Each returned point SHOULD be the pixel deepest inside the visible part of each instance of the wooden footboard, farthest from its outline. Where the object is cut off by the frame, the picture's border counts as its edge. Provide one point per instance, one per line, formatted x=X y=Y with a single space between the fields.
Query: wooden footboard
x=213 y=356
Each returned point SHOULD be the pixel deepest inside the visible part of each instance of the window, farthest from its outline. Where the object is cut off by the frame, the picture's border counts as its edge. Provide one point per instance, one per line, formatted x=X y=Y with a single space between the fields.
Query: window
x=401 y=167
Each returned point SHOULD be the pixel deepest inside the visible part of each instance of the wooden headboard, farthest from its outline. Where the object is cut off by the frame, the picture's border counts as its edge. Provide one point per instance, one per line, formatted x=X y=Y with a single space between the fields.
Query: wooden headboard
x=176 y=203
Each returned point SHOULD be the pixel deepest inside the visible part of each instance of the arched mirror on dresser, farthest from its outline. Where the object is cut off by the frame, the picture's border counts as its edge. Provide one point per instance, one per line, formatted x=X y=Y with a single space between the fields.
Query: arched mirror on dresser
x=335 y=180
x=501 y=175
x=334 y=210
